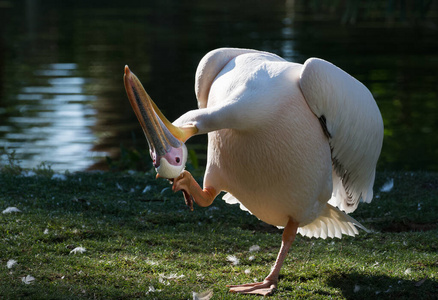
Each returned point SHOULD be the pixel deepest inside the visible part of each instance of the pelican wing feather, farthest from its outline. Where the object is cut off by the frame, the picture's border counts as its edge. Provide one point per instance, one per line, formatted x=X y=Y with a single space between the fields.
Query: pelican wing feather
x=331 y=223
x=353 y=124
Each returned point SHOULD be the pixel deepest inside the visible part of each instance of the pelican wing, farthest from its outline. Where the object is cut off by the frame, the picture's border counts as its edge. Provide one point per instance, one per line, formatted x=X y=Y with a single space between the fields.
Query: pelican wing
x=353 y=124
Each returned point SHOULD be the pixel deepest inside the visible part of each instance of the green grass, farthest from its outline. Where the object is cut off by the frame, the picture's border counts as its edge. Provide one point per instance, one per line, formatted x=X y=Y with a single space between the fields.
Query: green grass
x=135 y=241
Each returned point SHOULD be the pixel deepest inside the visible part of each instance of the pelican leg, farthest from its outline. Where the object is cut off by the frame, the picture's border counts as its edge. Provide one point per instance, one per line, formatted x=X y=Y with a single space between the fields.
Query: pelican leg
x=268 y=286
x=191 y=189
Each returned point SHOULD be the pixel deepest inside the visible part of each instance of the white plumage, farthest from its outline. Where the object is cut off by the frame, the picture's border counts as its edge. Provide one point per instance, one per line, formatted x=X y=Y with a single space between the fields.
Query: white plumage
x=290 y=143
x=257 y=102
x=355 y=126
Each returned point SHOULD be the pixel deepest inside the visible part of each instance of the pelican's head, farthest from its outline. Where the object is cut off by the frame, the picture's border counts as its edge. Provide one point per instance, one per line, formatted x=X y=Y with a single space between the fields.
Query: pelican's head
x=166 y=141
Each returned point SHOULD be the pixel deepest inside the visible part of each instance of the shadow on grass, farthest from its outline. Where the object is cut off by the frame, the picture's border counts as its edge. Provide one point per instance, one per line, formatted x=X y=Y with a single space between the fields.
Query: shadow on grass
x=360 y=286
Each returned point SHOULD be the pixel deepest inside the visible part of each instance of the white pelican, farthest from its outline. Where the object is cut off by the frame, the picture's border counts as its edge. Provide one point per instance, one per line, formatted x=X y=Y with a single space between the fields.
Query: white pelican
x=296 y=145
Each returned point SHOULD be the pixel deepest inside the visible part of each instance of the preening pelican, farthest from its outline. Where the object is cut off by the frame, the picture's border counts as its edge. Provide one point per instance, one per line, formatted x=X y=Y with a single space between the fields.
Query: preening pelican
x=296 y=145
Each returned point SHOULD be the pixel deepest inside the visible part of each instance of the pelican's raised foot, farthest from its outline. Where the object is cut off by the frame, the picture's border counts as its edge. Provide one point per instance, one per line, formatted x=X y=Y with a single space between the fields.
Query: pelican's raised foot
x=192 y=191
x=264 y=288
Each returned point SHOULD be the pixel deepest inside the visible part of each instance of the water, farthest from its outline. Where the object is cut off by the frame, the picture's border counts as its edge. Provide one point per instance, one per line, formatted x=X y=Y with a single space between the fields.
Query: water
x=62 y=99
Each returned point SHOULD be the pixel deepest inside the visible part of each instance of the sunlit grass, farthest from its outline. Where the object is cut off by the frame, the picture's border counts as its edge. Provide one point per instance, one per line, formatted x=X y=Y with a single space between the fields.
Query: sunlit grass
x=149 y=245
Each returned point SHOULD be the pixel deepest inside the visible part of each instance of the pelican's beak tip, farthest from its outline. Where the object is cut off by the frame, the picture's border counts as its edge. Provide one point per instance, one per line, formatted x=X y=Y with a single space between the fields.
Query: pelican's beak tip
x=127 y=71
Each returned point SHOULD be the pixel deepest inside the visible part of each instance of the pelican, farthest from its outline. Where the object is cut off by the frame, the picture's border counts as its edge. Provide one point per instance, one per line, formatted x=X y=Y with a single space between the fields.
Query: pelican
x=294 y=144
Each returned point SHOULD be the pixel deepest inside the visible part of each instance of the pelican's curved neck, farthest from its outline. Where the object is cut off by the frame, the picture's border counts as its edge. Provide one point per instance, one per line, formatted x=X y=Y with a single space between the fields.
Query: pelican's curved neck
x=205 y=120
x=237 y=115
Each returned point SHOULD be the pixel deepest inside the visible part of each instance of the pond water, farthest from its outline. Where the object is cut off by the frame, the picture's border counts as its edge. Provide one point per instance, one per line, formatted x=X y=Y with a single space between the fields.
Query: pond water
x=62 y=99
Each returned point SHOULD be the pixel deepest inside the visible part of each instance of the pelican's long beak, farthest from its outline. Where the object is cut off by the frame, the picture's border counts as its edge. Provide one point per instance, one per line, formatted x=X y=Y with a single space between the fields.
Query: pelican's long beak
x=166 y=141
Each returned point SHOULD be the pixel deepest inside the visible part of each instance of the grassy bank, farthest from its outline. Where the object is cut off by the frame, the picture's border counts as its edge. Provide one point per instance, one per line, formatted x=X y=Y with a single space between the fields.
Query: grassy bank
x=142 y=242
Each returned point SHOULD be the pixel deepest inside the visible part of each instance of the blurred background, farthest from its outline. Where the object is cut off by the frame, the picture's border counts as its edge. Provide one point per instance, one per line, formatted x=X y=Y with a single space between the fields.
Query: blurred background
x=62 y=99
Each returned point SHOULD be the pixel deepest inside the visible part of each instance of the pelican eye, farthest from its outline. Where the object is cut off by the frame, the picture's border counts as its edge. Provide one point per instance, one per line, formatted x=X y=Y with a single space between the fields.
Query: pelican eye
x=177 y=159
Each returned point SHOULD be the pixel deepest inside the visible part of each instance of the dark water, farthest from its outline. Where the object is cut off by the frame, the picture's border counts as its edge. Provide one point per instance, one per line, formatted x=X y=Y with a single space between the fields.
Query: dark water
x=62 y=98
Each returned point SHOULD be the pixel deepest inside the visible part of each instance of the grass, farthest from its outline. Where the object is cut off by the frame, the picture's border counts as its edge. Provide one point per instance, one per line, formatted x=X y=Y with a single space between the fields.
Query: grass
x=150 y=246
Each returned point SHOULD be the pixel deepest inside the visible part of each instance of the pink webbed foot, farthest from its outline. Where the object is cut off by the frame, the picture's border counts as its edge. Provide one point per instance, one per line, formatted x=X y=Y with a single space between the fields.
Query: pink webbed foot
x=264 y=288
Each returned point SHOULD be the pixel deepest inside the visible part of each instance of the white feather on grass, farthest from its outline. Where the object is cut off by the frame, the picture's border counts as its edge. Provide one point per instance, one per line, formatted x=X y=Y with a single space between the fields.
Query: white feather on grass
x=152 y=290
x=28 y=279
x=11 y=263
x=78 y=250
x=151 y=262
x=171 y=276
x=11 y=209
x=206 y=295
x=163 y=281
x=387 y=187
x=233 y=259
x=147 y=189
x=254 y=248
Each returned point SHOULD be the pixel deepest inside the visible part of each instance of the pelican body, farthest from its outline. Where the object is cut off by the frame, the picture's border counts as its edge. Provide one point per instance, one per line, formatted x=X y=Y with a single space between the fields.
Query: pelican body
x=264 y=160
x=296 y=145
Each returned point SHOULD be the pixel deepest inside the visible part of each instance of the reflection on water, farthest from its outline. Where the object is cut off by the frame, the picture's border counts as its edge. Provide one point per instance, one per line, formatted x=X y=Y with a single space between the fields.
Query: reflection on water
x=62 y=98
x=53 y=119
